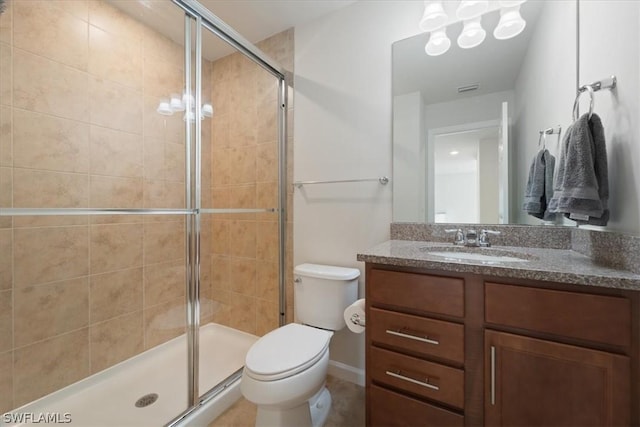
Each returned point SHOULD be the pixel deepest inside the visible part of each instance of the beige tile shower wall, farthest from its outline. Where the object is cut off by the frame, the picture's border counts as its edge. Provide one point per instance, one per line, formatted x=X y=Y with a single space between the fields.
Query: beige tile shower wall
x=244 y=247
x=79 y=86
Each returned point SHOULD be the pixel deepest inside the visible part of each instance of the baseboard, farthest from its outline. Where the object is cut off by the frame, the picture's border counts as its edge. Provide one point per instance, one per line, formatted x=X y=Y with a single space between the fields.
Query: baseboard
x=346 y=372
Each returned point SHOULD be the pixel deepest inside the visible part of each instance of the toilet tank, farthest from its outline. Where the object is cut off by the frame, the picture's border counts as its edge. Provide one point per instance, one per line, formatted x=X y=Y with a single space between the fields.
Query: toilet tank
x=322 y=292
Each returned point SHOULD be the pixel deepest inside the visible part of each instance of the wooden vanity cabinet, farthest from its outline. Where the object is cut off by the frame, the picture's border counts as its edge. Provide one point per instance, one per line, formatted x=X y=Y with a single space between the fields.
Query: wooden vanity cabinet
x=465 y=349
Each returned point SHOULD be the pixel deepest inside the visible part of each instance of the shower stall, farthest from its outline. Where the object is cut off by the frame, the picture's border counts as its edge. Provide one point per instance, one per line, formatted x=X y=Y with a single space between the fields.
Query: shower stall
x=142 y=209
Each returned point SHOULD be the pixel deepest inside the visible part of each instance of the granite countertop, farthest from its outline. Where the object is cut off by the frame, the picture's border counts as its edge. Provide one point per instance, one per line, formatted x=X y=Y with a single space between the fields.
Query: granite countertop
x=557 y=265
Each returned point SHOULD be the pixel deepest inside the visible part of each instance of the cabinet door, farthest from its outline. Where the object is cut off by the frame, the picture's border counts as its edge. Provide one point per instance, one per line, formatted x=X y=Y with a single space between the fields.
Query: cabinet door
x=541 y=383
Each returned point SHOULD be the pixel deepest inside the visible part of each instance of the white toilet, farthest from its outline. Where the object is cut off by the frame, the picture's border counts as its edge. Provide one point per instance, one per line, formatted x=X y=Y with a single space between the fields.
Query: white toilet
x=285 y=370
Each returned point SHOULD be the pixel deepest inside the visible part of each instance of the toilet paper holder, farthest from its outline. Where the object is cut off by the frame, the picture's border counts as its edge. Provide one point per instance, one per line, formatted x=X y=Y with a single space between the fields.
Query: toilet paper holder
x=357 y=320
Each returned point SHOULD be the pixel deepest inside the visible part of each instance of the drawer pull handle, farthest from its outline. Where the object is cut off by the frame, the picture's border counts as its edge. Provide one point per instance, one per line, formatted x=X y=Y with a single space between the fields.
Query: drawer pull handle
x=411 y=380
x=413 y=337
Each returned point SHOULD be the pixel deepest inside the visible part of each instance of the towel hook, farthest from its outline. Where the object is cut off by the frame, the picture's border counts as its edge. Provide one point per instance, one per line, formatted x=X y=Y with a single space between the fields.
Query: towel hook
x=585 y=88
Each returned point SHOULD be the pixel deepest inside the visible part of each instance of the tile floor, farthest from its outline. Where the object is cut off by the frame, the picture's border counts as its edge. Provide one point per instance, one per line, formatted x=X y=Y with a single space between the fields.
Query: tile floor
x=347 y=408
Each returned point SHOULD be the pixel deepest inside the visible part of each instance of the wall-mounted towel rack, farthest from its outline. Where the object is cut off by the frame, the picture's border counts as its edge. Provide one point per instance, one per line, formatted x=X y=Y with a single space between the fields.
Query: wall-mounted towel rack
x=551 y=131
x=384 y=180
x=608 y=83
x=548 y=131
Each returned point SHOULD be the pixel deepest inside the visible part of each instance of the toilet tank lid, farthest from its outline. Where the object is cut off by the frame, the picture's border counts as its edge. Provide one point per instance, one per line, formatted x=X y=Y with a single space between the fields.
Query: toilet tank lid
x=327 y=272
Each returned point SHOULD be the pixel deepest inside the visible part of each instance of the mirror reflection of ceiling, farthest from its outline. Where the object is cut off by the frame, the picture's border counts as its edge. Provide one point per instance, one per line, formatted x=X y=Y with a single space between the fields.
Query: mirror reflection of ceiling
x=255 y=20
x=465 y=146
x=493 y=65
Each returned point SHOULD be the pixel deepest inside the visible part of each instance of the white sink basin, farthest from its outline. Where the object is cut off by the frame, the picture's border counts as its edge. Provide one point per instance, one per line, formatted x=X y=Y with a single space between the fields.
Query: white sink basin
x=485 y=258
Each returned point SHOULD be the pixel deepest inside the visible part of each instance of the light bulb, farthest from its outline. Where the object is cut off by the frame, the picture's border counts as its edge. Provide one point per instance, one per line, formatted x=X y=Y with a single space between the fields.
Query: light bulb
x=164 y=108
x=472 y=34
x=188 y=100
x=471 y=8
x=511 y=23
x=438 y=42
x=207 y=110
x=176 y=102
x=190 y=116
x=434 y=16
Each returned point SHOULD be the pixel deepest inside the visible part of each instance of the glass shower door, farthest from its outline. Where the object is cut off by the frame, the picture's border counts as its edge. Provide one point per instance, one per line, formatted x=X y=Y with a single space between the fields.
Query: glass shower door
x=239 y=263
x=92 y=209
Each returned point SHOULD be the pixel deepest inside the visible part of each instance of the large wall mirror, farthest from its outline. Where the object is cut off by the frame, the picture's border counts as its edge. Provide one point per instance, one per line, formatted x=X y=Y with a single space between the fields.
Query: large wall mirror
x=466 y=123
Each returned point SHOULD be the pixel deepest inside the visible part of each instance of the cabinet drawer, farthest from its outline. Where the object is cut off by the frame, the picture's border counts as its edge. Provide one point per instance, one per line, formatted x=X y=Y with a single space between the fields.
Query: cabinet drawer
x=417 y=376
x=596 y=318
x=420 y=335
x=421 y=292
x=388 y=408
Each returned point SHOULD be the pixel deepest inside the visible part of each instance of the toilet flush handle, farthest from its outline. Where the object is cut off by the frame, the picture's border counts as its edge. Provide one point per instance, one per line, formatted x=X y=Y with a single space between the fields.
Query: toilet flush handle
x=297 y=280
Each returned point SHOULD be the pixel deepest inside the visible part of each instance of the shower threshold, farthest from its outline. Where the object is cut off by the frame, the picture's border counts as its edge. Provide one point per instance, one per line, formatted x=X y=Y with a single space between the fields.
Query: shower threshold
x=149 y=389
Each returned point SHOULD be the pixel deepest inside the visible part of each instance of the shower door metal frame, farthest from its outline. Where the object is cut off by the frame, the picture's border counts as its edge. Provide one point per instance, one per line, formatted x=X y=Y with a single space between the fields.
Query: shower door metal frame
x=205 y=19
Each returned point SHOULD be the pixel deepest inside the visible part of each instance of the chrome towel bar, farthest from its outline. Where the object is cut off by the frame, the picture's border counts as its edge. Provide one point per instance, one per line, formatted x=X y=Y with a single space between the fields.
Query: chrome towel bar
x=384 y=180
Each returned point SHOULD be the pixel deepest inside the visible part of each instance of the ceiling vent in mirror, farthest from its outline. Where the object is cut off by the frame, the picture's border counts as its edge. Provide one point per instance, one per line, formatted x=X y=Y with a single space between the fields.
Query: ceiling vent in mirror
x=468 y=88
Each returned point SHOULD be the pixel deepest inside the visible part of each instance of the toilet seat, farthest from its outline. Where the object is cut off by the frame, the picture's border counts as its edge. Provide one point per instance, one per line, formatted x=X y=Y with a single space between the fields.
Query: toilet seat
x=286 y=351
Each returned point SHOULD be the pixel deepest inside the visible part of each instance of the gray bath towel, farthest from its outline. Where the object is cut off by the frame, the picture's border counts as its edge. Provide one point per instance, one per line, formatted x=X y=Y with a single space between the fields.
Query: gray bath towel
x=582 y=184
x=540 y=186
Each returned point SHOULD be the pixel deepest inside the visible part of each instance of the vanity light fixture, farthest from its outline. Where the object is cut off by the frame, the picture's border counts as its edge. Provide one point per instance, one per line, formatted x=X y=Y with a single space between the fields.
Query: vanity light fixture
x=434 y=16
x=511 y=23
x=438 y=42
x=472 y=34
x=435 y=19
x=454 y=153
x=468 y=9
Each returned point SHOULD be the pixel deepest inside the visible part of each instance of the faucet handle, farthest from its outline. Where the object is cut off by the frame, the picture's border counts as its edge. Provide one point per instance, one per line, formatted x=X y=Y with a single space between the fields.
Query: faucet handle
x=483 y=240
x=495 y=233
x=459 y=237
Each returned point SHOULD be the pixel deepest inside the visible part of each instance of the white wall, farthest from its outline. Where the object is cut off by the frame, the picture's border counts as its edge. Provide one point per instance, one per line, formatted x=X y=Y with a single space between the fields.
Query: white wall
x=456 y=196
x=409 y=156
x=610 y=44
x=342 y=129
x=544 y=95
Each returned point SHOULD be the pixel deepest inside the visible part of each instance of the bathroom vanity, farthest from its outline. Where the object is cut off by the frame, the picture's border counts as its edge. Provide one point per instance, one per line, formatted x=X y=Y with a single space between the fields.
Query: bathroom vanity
x=549 y=341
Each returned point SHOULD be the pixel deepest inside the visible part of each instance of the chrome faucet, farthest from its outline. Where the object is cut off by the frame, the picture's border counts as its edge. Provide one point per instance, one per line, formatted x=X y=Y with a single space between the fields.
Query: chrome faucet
x=459 y=238
x=471 y=238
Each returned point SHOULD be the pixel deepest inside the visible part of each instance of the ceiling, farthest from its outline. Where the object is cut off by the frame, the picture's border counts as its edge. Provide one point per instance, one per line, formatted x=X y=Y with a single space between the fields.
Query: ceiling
x=255 y=20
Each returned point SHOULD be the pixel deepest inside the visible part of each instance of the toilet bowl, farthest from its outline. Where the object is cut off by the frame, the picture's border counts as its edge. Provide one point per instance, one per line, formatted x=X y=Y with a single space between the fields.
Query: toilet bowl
x=282 y=383
x=285 y=370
